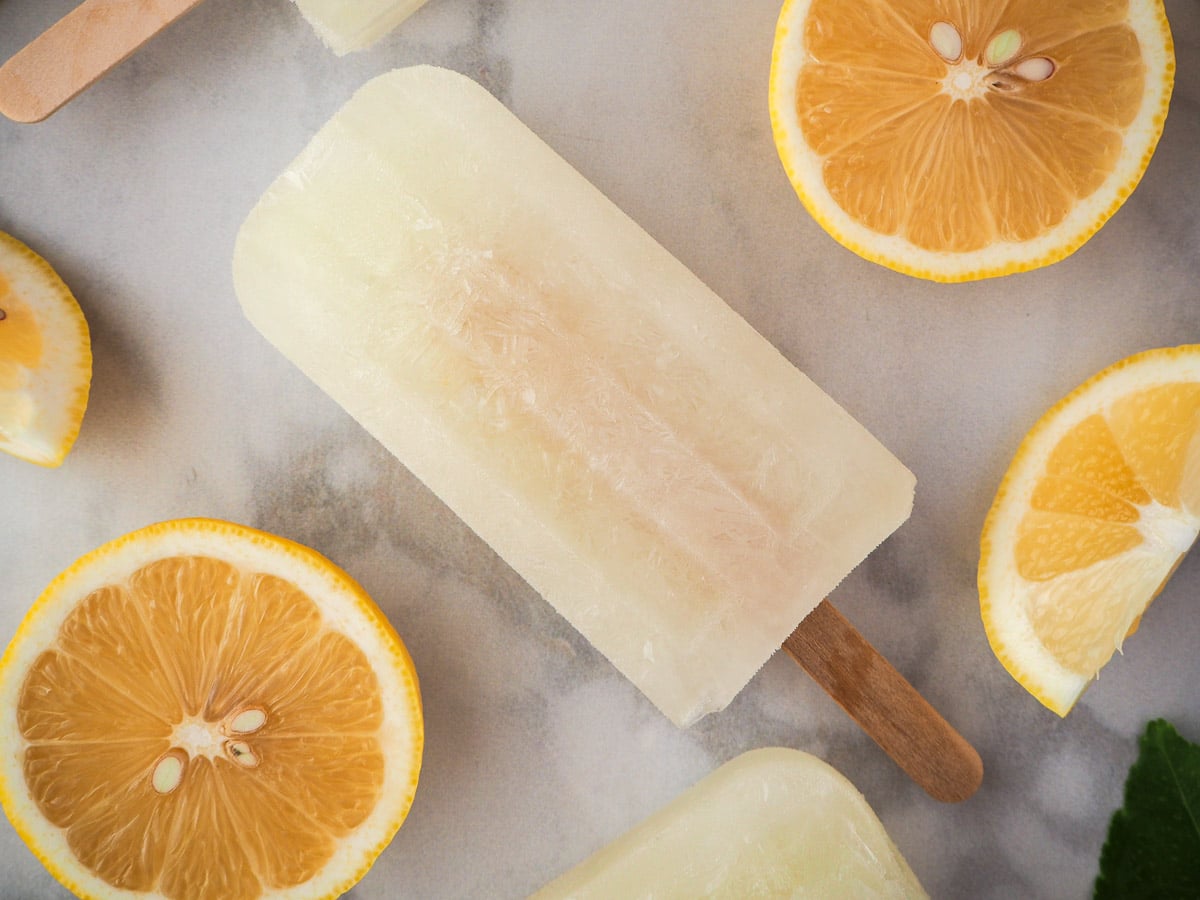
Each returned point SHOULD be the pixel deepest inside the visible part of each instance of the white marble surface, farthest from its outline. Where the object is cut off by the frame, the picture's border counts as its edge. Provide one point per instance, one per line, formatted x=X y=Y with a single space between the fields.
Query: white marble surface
x=537 y=751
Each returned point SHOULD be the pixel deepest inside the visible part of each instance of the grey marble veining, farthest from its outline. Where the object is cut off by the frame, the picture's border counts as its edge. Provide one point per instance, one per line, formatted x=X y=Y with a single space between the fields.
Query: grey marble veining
x=537 y=750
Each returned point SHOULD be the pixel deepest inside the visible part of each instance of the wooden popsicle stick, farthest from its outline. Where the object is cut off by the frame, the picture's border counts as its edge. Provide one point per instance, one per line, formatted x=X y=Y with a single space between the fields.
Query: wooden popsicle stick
x=887 y=707
x=76 y=51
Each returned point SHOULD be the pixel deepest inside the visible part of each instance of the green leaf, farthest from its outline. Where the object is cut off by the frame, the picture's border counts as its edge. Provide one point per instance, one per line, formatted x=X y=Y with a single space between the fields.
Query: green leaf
x=1153 y=845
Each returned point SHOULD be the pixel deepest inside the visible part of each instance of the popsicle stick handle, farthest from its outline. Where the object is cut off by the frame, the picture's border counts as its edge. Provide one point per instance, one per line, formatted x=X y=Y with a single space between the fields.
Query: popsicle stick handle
x=76 y=51
x=887 y=707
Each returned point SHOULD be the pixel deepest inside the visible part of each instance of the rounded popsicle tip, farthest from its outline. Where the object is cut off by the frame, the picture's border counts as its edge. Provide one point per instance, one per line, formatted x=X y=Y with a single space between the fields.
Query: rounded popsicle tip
x=18 y=102
x=959 y=774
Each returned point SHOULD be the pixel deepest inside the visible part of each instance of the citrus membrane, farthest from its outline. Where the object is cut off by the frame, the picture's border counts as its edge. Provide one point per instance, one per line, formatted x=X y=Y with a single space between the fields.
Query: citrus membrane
x=965 y=139
x=45 y=358
x=1097 y=508
x=202 y=711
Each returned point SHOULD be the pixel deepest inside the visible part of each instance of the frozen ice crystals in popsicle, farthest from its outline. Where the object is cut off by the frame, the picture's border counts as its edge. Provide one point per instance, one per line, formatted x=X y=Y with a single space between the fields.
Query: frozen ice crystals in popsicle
x=770 y=823
x=679 y=491
x=347 y=25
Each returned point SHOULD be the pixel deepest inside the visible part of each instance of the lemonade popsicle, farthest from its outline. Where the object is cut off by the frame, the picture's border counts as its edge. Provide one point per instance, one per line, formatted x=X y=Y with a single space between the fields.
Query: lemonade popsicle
x=773 y=822
x=680 y=492
x=347 y=25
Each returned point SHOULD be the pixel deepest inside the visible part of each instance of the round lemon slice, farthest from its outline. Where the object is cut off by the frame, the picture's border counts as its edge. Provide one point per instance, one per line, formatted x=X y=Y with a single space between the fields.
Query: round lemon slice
x=970 y=139
x=201 y=711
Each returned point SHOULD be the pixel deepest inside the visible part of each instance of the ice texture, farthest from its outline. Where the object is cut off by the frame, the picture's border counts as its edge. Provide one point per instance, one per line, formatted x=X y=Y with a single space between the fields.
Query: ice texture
x=679 y=491
x=770 y=823
x=347 y=25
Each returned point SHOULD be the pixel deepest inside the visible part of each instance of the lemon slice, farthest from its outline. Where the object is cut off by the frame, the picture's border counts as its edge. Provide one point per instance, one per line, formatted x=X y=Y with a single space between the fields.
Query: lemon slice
x=1100 y=503
x=201 y=711
x=45 y=358
x=972 y=139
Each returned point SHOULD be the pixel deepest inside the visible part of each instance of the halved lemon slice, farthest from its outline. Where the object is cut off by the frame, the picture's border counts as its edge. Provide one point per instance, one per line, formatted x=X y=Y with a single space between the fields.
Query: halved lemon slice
x=971 y=138
x=45 y=358
x=1100 y=503
x=201 y=711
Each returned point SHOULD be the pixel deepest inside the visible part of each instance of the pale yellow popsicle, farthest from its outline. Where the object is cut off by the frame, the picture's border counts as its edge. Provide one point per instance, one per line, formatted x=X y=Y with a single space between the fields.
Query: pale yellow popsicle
x=347 y=25
x=679 y=491
x=771 y=823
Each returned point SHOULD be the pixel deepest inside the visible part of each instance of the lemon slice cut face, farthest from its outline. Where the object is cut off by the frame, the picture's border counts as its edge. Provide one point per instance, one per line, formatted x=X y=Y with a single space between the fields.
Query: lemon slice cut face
x=1099 y=505
x=201 y=711
x=973 y=138
x=45 y=358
